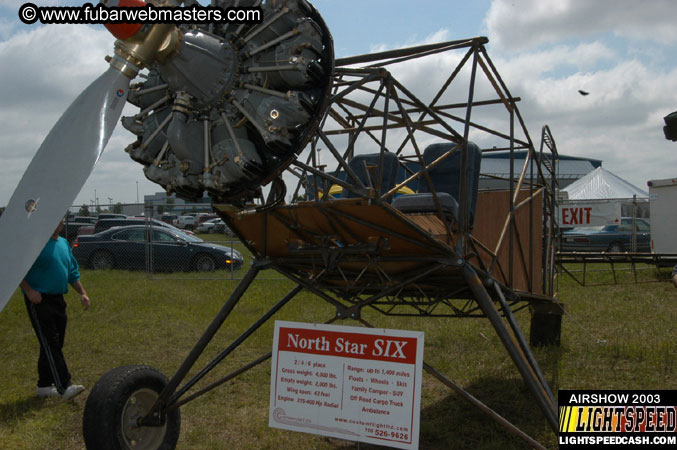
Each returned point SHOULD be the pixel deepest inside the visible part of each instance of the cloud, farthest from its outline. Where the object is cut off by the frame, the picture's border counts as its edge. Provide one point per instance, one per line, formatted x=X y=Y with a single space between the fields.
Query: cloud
x=43 y=70
x=549 y=49
x=559 y=58
x=523 y=24
x=51 y=63
x=620 y=122
x=412 y=41
x=6 y=28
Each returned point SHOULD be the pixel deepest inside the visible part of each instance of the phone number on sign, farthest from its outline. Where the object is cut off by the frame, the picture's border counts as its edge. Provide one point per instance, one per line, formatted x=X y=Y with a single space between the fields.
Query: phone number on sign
x=391 y=434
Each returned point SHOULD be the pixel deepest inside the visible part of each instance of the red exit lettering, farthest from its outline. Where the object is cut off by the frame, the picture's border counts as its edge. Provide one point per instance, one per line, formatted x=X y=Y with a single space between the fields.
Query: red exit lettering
x=576 y=216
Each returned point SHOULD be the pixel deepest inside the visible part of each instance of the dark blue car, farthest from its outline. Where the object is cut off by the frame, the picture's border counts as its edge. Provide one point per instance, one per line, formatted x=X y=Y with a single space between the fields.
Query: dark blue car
x=610 y=238
x=157 y=248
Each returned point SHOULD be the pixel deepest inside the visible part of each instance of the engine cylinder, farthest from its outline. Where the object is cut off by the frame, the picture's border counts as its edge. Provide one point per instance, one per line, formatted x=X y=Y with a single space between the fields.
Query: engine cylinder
x=234 y=104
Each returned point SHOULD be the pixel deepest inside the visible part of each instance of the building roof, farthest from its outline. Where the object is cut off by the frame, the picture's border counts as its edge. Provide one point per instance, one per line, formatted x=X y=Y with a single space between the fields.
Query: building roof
x=568 y=167
x=521 y=154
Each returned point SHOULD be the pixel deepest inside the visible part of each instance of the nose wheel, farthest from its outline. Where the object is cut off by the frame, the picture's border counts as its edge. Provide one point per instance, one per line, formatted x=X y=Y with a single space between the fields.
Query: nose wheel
x=118 y=402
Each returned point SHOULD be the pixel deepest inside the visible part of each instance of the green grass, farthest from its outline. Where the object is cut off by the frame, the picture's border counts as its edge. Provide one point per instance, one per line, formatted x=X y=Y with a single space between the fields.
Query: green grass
x=618 y=337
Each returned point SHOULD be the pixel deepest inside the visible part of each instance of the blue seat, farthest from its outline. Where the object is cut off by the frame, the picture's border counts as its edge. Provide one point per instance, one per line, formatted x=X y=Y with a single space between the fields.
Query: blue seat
x=445 y=178
x=366 y=168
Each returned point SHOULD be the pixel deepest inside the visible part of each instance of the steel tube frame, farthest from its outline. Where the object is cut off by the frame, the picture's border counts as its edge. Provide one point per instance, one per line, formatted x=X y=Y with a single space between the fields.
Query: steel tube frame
x=156 y=415
x=219 y=382
x=412 y=51
x=482 y=407
x=523 y=366
x=526 y=364
x=475 y=401
x=236 y=343
x=398 y=117
x=521 y=340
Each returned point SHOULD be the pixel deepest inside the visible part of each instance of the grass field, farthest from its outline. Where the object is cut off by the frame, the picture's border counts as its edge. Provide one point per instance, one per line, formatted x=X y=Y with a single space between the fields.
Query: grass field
x=616 y=337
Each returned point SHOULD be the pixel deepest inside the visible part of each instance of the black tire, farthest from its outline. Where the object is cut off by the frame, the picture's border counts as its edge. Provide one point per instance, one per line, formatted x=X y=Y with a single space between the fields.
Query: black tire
x=616 y=247
x=101 y=260
x=204 y=263
x=117 y=400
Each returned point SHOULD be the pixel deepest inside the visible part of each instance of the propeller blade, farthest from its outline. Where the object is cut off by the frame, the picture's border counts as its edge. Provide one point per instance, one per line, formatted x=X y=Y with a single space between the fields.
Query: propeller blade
x=56 y=174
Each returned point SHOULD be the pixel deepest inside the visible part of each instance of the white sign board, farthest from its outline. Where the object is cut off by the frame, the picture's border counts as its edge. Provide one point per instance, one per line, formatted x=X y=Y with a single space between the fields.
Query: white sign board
x=589 y=214
x=359 y=384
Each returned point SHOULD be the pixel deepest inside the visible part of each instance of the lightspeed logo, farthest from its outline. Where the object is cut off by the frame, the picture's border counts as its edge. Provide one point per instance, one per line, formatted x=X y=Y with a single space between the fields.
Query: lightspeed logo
x=626 y=418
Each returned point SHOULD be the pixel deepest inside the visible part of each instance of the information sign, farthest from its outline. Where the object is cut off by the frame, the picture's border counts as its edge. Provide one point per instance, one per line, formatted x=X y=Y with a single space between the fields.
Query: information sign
x=359 y=384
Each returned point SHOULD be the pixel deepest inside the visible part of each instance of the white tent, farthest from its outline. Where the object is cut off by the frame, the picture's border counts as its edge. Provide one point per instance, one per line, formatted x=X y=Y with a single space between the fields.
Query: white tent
x=601 y=198
x=600 y=184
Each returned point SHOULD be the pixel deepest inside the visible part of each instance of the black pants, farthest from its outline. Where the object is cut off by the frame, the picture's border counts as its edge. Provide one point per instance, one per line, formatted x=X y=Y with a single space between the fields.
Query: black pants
x=50 y=321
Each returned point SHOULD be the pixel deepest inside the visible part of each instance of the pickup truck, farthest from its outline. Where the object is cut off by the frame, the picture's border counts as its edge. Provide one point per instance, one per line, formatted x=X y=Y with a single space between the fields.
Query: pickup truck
x=186 y=222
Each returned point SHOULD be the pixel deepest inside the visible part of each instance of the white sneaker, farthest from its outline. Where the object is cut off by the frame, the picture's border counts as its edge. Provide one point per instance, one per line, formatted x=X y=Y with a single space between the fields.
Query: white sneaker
x=72 y=391
x=48 y=391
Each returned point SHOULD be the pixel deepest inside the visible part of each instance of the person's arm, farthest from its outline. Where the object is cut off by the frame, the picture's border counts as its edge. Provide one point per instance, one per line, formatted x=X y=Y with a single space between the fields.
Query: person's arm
x=84 y=299
x=74 y=280
x=34 y=296
x=674 y=277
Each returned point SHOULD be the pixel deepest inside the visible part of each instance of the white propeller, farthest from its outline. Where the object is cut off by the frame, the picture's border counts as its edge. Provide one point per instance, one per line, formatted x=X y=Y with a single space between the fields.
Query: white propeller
x=68 y=154
x=56 y=174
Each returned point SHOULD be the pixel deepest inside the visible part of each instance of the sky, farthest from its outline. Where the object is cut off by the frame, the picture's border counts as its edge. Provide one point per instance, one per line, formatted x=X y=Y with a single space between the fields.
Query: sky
x=622 y=53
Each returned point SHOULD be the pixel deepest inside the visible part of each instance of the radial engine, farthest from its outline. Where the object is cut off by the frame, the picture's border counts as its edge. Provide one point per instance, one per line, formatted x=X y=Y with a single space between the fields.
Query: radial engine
x=234 y=104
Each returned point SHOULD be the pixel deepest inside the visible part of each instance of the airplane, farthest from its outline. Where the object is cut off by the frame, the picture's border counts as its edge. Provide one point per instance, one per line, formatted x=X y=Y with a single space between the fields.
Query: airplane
x=239 y=110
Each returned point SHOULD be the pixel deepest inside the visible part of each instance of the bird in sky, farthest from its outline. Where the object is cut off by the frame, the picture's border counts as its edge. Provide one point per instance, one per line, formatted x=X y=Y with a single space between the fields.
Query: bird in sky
x=583 y=92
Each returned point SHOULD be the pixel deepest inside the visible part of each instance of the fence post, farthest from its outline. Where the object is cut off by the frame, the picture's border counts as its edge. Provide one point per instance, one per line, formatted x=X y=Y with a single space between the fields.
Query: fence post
x=634 y=223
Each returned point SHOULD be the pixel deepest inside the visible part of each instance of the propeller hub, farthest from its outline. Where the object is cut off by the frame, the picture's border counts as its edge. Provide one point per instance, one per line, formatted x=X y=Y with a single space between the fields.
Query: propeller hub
x=140 y=45
x=149 y=44
x=123 y=30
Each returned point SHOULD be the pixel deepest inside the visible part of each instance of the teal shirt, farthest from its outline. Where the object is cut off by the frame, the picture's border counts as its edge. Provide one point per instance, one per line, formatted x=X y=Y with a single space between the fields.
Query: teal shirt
x=54 y=268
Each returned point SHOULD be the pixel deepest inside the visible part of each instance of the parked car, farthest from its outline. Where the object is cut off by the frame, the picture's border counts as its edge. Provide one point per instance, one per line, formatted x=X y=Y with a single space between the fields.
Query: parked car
x=169 y=218
x=611 y=238
x=111 y=216
x=73 y=225
x=127 y=247
x=104 y=224
x=83 y=219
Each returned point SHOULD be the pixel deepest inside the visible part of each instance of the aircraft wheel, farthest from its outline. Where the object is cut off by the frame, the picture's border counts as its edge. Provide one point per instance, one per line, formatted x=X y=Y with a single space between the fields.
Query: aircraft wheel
x=118 y=400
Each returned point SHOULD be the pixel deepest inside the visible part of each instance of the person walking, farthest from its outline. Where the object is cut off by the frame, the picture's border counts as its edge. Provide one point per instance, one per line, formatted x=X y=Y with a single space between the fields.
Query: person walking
x=44 y=287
